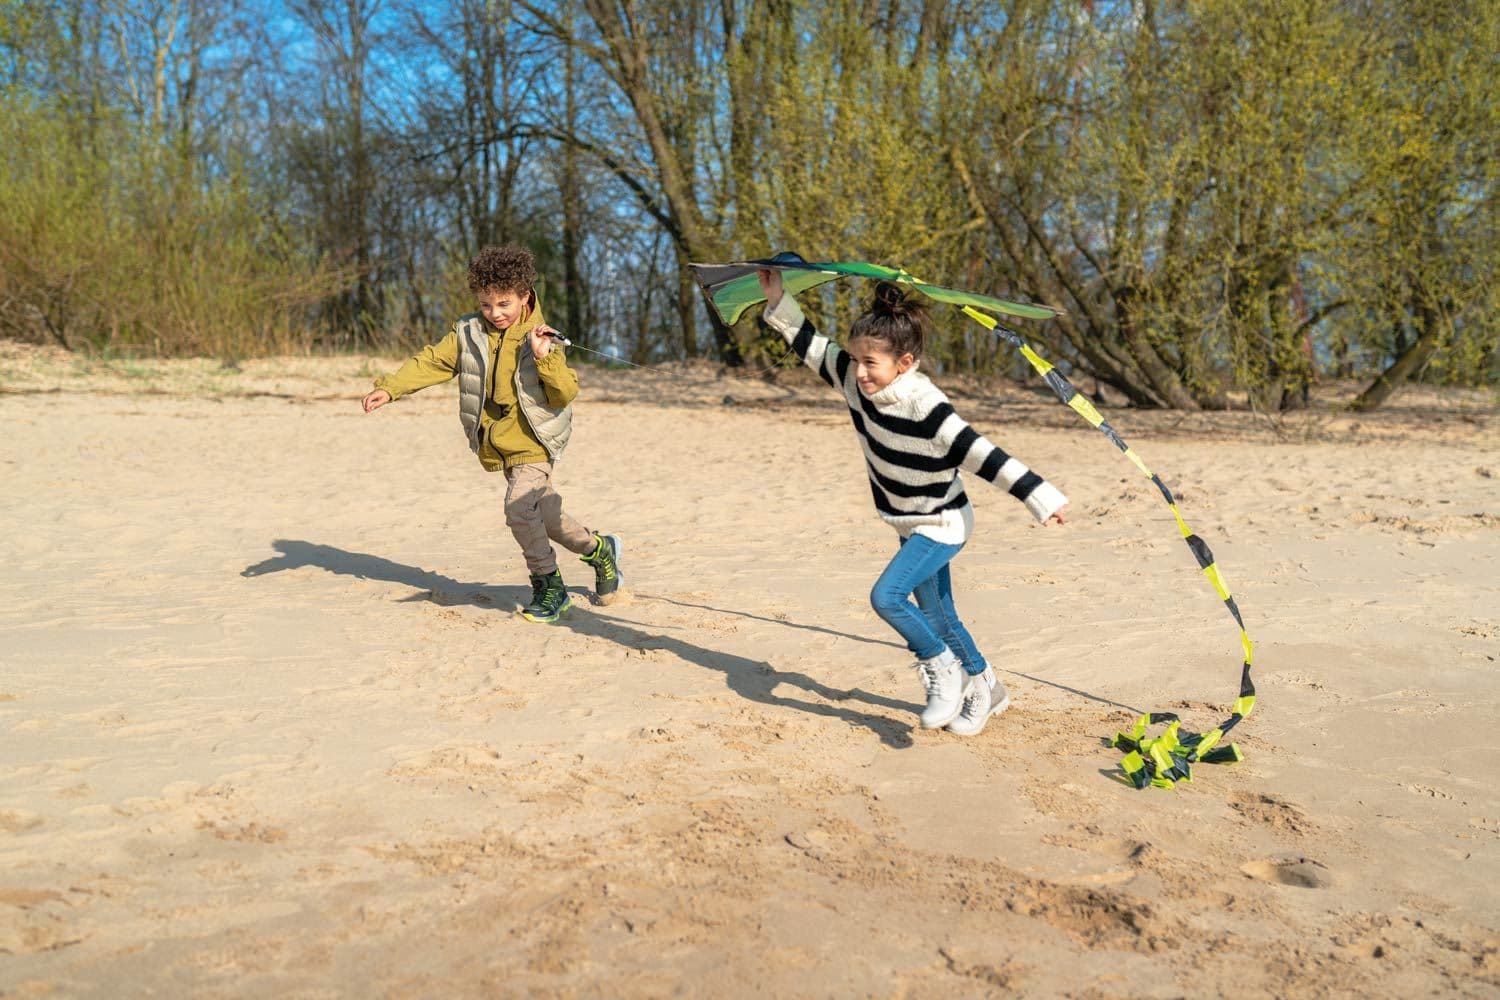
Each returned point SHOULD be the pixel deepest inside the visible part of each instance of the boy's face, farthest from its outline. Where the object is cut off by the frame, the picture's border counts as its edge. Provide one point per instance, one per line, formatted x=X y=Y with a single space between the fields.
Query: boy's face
x=501 y=307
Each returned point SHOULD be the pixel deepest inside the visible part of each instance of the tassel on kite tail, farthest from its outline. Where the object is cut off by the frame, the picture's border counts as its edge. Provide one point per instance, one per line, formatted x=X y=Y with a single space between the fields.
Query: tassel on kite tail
x=1162 y=760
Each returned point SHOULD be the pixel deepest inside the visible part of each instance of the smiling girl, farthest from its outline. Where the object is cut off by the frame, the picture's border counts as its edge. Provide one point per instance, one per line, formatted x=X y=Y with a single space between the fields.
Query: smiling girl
x=915 y=445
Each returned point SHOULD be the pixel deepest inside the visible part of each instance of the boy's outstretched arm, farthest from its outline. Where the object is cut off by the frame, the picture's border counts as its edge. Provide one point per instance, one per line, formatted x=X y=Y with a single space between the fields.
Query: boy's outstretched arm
x=785 y=316
x=433 y=364
x=976 y=454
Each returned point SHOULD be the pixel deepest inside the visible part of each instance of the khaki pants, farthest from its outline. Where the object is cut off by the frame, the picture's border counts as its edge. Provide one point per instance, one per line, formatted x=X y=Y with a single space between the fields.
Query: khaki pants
x=534 y=513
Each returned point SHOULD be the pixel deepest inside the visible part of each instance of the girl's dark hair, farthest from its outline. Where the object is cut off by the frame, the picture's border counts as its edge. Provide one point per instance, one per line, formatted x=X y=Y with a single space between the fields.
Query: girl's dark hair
x=503 y=269
x=895 y=320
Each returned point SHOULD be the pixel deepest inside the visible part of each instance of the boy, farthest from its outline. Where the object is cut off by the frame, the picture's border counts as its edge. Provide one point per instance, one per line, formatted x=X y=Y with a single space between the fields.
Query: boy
x=515 y=403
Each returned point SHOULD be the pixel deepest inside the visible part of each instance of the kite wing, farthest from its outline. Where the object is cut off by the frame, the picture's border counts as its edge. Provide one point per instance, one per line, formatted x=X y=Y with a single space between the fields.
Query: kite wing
x=733 y=288
x=1159 y=761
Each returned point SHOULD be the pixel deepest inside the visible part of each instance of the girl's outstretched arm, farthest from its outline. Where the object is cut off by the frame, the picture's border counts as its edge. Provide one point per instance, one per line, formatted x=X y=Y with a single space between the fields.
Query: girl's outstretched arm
x=822 y=355
x=974 y=453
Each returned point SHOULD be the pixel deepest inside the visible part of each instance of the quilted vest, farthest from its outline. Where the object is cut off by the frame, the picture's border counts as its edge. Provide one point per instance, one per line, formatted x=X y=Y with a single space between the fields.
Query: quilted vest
x=551 y=427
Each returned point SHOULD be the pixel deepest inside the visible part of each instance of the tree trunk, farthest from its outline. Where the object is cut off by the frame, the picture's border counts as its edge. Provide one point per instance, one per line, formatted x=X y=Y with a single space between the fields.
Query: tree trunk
x=572 y=199
x=687 y=305
x=1407 y=363
x=1164 y=381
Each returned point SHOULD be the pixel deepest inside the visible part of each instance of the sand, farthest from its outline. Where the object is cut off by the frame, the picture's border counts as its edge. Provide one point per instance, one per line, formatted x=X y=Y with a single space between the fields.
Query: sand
x=272 y=729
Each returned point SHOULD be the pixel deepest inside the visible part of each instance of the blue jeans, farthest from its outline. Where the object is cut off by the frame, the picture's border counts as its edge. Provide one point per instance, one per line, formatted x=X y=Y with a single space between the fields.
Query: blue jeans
x=920 y=567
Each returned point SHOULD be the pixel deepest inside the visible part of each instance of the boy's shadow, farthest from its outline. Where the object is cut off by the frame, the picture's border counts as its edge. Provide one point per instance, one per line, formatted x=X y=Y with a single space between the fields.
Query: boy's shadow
x=755 y=680
x=439 y=589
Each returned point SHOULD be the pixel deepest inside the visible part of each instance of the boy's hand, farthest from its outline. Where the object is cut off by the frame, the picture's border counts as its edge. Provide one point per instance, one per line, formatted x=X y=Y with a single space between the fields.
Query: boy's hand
x=541 y=344
x=770 y=284
x=1057 y=515
x=375 y=400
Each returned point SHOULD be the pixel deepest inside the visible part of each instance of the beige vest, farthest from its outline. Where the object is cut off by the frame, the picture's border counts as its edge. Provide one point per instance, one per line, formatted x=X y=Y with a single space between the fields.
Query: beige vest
x=551 y=427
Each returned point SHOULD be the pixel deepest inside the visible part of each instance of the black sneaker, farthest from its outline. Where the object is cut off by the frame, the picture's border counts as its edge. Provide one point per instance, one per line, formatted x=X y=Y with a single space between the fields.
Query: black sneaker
x=606 y=562
x=549 y=600
x=538 y=587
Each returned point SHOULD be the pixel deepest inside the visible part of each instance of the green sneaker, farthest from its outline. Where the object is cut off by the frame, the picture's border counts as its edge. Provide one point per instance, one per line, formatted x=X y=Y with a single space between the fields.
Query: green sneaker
x=606 y=562
x=538 y=588
x=549 y=599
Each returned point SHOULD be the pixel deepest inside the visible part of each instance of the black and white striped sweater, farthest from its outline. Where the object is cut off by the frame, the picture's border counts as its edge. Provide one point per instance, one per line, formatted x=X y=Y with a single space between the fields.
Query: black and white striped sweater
x=914 y=442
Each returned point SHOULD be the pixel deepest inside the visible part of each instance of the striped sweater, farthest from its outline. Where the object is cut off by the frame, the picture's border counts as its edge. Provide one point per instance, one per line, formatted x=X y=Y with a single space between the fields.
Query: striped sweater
x=914 y=442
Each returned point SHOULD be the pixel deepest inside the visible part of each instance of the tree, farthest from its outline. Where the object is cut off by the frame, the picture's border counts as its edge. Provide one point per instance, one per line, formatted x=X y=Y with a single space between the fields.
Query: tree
x=1420 y=254
x=334 y=158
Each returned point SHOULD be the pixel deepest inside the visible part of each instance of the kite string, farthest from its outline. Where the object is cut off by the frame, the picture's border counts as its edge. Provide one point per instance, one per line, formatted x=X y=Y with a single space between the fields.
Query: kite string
x=679 y=375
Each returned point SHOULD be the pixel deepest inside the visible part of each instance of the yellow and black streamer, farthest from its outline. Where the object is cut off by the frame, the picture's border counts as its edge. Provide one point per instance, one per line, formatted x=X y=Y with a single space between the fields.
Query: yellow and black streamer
x=1166 y=759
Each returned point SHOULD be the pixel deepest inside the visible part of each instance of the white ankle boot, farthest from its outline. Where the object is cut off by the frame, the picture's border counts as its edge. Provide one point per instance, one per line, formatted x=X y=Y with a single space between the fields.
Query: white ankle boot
x=986 y=697
x=946 y=684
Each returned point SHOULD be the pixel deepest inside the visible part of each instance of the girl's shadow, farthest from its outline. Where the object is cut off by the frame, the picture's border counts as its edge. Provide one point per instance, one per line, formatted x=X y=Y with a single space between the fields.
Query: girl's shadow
x=755 y=680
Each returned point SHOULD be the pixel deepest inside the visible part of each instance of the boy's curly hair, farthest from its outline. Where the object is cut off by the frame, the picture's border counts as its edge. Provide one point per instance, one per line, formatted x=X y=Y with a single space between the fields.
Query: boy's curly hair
x=503 y=269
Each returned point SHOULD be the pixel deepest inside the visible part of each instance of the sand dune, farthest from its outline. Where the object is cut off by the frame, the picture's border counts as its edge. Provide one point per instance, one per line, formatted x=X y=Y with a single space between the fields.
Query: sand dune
x=271 y=729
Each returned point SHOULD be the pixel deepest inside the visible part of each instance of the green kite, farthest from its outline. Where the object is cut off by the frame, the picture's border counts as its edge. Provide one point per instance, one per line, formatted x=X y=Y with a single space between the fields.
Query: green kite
x=734 y=288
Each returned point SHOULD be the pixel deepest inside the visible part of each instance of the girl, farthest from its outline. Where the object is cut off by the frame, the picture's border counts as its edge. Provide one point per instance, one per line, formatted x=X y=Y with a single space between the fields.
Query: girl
x=914 y=446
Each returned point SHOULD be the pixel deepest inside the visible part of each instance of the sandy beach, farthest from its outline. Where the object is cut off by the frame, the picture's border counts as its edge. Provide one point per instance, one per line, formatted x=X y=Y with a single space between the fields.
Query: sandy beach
x=271 y=727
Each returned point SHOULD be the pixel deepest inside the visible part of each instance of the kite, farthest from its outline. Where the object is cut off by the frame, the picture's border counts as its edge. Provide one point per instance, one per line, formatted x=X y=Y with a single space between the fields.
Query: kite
x=1160 y=761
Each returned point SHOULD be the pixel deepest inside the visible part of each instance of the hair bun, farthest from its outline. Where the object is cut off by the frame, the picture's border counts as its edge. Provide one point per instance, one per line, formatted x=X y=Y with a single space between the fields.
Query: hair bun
x=890 y=299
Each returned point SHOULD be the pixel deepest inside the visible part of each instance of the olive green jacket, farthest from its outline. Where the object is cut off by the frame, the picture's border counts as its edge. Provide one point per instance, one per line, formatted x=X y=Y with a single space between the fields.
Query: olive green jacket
x=515 y=408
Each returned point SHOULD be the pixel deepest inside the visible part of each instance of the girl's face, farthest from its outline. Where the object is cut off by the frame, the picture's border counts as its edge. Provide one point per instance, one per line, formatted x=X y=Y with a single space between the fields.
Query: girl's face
x=875 y=367
x=503 y=308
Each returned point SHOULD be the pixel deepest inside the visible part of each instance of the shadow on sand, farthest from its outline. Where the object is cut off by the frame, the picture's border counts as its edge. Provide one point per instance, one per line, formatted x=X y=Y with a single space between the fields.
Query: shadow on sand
x=770 y=621
x=439 y=589
x=754 y=680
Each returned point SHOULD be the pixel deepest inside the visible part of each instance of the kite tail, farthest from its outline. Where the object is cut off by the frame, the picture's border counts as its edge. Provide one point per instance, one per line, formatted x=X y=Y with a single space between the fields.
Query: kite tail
x=1162 y=760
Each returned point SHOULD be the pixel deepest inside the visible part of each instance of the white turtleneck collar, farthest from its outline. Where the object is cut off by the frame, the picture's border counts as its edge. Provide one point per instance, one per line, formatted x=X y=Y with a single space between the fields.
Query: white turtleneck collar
x=900 y=388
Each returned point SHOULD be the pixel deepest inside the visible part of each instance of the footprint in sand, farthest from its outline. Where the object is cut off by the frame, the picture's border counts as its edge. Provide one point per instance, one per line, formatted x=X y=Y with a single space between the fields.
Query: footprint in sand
x=1429 y=792
x=1486 y=824
x=813 y=842
x=455 y=761
x=18 y=821
x=1304 y=873
x=1268 y=810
